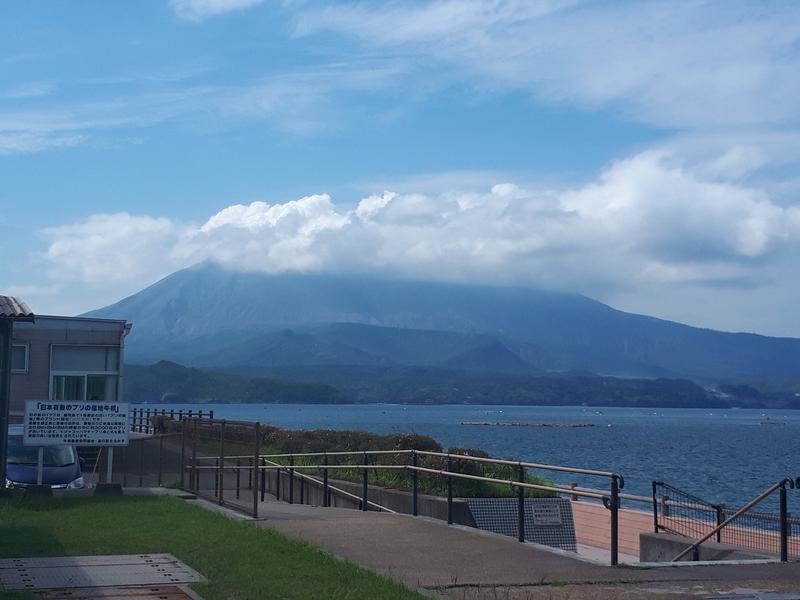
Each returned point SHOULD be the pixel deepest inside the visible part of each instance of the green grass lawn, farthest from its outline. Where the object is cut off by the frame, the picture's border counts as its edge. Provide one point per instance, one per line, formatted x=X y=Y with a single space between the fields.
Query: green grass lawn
x=240 y=560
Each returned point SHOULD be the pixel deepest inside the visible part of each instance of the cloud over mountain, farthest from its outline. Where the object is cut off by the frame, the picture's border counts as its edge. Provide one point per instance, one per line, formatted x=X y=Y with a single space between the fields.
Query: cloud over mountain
x=645 y=220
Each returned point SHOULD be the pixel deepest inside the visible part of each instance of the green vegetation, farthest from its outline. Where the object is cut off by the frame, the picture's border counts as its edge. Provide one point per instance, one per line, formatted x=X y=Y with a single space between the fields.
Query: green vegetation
x=277 y=440
x=433 y=385
x=240 y=560
x=169 y=382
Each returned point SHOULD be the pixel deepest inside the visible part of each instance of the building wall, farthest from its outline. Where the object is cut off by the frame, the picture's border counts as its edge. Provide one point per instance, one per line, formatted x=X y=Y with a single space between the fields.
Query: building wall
x=41 y=336
x=593 y=526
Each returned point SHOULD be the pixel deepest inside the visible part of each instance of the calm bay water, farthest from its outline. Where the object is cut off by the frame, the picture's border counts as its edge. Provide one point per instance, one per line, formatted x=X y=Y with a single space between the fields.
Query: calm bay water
x=721 y=455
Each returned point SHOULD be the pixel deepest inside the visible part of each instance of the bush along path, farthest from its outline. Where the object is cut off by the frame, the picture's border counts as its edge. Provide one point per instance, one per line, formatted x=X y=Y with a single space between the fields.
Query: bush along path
x=277 y=440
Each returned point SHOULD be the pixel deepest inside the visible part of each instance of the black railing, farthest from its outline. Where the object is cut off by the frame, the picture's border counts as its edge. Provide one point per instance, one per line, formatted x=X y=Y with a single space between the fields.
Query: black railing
x=679 y=512
x=216 y=454
x=145 y=420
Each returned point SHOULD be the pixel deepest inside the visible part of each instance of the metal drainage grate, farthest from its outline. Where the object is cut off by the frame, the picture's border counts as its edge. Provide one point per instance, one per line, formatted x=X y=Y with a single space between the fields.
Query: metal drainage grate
x=93 y=571
x=170 y=592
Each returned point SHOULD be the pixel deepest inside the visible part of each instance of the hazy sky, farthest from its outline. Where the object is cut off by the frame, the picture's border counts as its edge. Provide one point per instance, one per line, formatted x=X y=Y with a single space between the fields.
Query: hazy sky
x=642 y=153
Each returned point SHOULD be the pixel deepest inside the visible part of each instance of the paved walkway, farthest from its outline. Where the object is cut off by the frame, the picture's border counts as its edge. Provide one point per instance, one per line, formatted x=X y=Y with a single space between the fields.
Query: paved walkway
x=465 y=564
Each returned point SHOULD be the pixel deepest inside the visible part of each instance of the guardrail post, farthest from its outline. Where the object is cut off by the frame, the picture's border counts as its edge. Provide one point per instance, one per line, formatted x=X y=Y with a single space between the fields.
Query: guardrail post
x=365 y=483
x=326 y=500
x=195 y=475
x=254 y=472
x=238 y=473
x=784 y=523
x=183 y=455
x=655 y=506
x=414 y=484
x=126 y=464
x=221 y=469
x=141 y=462
x=521 y=505
x=614 y=520
x=291 y=480
x=449 y=491
x=718 y=509
x=302 y=489
x=264 y=474
x=160 y=458
x=278 y=473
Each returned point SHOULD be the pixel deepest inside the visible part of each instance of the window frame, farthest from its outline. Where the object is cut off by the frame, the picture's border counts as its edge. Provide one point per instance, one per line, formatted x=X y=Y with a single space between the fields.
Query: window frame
x=27 y=347
x=84 y=374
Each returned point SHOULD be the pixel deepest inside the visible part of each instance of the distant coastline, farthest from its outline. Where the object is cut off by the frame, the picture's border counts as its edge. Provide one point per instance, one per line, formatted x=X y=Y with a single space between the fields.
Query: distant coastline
x=169 y=382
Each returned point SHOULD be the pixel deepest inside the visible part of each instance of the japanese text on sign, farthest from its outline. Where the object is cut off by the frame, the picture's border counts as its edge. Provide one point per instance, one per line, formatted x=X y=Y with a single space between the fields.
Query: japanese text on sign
x=76 y=423
x=546 y=514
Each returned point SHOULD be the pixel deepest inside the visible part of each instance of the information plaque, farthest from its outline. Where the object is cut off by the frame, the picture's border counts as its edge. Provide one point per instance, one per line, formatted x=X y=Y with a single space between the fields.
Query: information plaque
x=546 y=514
x=76 y=423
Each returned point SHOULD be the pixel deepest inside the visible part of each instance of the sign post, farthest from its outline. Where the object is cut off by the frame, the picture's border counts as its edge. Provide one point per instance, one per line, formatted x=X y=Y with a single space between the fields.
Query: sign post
x=76 y=423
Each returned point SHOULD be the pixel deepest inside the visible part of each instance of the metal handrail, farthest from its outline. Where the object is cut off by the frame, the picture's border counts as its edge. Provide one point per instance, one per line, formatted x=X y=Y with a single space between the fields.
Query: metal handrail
x=343 y=492
x=781 y=485
x=337 y=453
x=528 y=465
x=584 y=492
x=574 y=490
x=496 y=461
x=610 y=500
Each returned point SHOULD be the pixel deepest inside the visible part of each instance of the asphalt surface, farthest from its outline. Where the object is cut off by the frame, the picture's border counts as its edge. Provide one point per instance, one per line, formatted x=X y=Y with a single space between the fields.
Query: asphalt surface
x=468 y=564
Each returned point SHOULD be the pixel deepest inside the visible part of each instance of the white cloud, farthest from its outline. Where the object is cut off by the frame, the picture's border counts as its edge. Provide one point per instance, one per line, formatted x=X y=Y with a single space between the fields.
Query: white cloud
x=197 y=10
x=115 y=249
x=26 y=142
x=300 y=103
x=645 y=221
x=700 y=65
x=27 y=90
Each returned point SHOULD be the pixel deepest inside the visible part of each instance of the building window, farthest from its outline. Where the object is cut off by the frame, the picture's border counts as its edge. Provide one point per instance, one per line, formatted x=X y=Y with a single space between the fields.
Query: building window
x=89 y=359
x=85 y=373
x=69 y=387
x=19 y=358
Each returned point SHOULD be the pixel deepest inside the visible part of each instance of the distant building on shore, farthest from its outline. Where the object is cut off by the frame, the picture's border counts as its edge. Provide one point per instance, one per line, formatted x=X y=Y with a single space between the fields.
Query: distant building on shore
x=67 y=358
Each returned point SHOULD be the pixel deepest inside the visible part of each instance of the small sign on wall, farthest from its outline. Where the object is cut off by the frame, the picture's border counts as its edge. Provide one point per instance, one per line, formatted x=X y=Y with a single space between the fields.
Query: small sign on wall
x=546 y=514
x=75 y=423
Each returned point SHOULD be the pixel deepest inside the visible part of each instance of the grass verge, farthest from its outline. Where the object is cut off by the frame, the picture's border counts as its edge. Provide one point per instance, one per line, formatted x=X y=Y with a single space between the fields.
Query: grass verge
x=241 y=561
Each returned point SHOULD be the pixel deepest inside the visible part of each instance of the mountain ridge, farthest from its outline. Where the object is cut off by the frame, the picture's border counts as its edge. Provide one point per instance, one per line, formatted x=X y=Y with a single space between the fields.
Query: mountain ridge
x=350 y=320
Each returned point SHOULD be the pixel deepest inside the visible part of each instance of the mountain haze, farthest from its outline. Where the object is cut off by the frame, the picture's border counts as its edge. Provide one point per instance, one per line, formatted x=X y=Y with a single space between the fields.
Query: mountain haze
x=208 y=316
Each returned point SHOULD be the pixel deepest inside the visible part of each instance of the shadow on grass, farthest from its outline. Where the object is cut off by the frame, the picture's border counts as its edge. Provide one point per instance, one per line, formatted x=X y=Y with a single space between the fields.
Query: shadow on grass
x=27 y=540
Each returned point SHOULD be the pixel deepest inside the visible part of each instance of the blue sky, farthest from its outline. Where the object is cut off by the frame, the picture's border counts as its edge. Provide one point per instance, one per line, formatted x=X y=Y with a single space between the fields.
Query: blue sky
x=642 y=153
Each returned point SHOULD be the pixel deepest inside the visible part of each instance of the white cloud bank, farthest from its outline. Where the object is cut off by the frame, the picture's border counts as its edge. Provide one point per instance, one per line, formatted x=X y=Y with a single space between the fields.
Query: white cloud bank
x=647 y=220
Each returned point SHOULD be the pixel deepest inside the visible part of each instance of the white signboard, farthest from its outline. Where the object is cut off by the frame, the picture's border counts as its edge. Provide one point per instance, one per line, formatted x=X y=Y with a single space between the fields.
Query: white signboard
x=76 y=423
x=546 y=513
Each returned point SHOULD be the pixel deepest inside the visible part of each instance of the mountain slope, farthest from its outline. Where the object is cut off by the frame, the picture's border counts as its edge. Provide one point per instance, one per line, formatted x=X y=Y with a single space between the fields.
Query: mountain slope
x=198 y=311
x=175 y=383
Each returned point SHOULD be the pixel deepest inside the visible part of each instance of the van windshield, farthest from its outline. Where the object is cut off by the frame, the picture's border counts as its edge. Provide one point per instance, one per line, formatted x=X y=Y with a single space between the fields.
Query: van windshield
x=54 y=456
